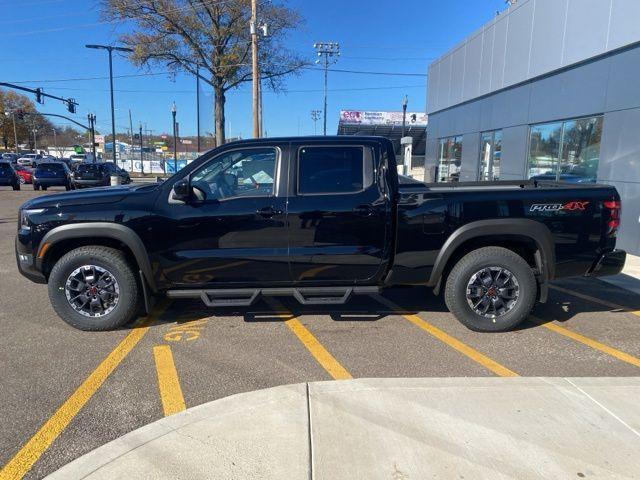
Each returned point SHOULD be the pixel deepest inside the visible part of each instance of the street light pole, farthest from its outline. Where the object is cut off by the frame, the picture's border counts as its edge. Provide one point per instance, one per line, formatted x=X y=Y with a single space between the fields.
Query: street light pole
x=175 y=138
x=141 y=158
x=327 y=51
x=110 y=49
x=92 y=125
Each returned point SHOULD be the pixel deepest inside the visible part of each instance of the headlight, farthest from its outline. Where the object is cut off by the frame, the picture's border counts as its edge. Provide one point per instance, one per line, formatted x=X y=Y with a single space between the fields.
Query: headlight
x=25 y=214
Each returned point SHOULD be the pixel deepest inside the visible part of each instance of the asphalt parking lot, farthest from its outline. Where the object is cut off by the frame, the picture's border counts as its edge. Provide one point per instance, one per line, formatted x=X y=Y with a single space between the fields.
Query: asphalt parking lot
x=64 y=392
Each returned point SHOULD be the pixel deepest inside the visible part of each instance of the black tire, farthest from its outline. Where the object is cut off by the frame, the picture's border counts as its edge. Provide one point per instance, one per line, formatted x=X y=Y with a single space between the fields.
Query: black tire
x=67 y=187
x=16 y=186
x=113 y=261
x=455 y=294
x=36 y=187
x=43 y=187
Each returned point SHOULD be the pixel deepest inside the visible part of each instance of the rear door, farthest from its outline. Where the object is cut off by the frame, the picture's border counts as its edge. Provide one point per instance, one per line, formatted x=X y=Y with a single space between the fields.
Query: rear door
x=338 y=213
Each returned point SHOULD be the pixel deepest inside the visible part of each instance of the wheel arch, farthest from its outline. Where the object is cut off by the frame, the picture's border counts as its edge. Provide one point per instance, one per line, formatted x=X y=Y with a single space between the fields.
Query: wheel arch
x=95 y=233
x=508 y=233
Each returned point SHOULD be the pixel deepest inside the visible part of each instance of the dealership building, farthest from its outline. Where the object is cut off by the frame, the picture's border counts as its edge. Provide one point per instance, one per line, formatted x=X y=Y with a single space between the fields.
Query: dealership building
x=548 y=89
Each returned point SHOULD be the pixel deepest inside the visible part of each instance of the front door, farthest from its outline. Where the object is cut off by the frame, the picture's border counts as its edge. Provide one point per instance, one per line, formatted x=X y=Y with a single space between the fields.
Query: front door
x=233 y=232
x=338 y=214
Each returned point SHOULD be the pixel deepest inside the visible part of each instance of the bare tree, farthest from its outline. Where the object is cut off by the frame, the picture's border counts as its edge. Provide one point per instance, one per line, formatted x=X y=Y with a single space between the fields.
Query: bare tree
x=208 y=38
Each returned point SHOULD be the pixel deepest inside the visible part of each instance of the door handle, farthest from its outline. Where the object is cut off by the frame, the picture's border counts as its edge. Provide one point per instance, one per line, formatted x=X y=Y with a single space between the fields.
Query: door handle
x=363 y=210
x=268 y=212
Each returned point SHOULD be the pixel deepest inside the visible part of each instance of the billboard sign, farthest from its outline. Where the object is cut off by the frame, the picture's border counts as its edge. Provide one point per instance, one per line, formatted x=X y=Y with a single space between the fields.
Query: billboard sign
x=365 y=117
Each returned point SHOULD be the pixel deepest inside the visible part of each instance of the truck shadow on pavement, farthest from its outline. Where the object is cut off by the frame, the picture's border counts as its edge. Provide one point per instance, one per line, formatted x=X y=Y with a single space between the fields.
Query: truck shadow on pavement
x=560 y=306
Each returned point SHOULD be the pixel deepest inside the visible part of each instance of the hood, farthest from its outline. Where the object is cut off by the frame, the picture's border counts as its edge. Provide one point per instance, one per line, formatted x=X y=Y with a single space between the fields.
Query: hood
x=94 y=196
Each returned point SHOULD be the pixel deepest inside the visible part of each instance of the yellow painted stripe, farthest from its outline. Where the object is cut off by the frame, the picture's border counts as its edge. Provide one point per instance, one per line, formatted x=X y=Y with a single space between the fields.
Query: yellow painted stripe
x=589 y=298
x=620 y=355
x=321 y=354
x=453 y=342
x=168 y=383
x=22 y=461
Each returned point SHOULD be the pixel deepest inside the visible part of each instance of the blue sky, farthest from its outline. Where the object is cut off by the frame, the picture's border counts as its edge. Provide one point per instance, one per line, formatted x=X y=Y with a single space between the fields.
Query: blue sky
x=44 y=40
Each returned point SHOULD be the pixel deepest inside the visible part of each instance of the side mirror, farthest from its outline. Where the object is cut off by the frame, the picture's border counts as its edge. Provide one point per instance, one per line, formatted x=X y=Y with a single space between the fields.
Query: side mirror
x=182 y=190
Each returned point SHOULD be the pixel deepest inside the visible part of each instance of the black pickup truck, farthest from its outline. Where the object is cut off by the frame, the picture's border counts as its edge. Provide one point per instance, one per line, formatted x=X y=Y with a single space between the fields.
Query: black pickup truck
x=319 y=218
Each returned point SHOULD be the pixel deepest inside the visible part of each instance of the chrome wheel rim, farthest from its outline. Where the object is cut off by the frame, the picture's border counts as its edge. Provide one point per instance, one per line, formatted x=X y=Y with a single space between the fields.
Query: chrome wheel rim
x=492 y=292
x=92 y=291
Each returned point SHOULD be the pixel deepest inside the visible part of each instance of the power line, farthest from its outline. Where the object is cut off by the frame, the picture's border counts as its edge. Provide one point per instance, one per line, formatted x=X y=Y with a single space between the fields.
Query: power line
x=362 y=72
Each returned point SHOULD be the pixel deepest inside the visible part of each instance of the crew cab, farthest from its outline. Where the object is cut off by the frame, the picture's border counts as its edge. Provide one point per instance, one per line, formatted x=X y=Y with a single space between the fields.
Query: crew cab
x=319 y=218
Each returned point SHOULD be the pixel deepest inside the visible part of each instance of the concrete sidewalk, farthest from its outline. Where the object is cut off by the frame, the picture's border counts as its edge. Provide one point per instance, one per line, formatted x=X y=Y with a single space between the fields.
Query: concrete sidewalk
x=629 y=279
x=473 y=428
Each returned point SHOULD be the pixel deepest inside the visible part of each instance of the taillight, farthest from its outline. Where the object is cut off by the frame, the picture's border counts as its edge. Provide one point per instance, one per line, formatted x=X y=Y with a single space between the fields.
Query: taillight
x=614 y=215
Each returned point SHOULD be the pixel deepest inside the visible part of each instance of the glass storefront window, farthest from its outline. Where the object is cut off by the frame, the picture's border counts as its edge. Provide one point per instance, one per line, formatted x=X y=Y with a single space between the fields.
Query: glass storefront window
x=566 y=151
x=490 y=152
x=450 y=161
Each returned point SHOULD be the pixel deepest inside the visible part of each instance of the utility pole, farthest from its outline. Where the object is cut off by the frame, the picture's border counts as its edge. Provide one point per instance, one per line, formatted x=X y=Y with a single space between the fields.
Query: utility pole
x=315 y=116
x=326 y=52
x=198 y=105
x=255 y=70
x=175 y=139
x=35 y=139
x=15 y=132
x=92 y=128
x=110 y=49
x=141 y=158
x=130 y=128
x=254 y=67
x=55 y=141
x=405 y=101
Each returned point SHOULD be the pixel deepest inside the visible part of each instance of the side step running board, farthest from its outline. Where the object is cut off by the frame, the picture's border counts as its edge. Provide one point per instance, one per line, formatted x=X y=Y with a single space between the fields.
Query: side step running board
x=244 y=297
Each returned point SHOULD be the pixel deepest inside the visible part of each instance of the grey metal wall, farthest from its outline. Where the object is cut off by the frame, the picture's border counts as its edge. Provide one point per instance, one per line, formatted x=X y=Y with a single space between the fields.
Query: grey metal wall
x=531 y=38
x=609 y=86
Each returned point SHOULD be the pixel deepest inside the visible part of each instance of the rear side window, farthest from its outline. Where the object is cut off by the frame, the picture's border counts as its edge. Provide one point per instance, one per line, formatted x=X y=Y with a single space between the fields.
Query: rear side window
x=323 y=170
x=91 y=168
x=50 y=167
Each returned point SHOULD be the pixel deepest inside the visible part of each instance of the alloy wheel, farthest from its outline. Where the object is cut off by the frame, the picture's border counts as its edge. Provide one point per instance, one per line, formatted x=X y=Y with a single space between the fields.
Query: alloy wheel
x=492 y=292
x=92 y=291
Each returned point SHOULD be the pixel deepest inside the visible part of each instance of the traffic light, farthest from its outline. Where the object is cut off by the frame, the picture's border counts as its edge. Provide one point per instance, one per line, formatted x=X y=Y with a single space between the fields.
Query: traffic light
x=71 y=105
x=39 y=97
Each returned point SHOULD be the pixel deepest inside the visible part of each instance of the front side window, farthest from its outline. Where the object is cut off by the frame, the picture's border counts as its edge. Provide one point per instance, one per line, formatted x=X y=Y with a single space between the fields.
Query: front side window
x=490 y=154
x=239 y=173
x=450 y=159
x=565 y=151
x=323 y=170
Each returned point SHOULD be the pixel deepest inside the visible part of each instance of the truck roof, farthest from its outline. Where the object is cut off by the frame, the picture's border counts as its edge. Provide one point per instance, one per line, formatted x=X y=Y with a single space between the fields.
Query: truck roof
x=314 y=139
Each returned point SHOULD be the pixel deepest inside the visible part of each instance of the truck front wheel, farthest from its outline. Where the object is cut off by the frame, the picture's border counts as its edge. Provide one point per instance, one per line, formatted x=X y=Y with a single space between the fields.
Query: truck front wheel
x=491 y=289
x=94 y=288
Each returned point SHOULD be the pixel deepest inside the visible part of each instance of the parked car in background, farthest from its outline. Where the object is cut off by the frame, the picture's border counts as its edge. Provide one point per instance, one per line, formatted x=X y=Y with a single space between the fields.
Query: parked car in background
x=9 y=157
x=25 y=174
x=8 y=176
x=98 y=175
x=81 y=157
x=29 y=159
x=50 y=174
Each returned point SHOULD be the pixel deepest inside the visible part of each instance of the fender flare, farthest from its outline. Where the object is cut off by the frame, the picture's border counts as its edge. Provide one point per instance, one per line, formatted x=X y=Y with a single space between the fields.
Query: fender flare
x=519 y=227
x=113 y=231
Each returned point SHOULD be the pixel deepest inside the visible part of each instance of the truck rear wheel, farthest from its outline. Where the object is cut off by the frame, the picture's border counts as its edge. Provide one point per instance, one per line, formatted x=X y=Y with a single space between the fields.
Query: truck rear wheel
x=491 y=289
x=94 y=288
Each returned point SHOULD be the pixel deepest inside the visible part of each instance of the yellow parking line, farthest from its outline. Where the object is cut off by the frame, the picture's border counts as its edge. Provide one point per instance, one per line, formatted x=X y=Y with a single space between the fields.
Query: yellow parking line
x=168 y=383
x=31 y=451
x=620 y=355
x=453 y=342
x=321 y=354
x=589 y=298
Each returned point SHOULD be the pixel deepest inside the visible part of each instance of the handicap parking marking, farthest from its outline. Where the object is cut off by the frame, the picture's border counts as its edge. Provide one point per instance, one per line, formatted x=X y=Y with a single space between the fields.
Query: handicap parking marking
x=449 y=340
x=614 y=352
x=28 y=455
